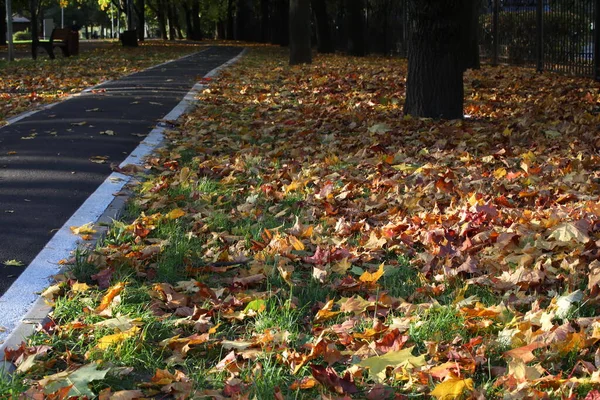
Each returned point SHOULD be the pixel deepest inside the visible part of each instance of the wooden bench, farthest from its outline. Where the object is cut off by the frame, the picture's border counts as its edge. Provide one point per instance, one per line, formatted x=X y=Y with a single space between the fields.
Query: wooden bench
x=60 y=37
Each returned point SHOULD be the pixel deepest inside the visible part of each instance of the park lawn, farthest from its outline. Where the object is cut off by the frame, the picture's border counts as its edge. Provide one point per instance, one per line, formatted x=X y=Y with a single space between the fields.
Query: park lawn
x=27 y=84
x=300 y=238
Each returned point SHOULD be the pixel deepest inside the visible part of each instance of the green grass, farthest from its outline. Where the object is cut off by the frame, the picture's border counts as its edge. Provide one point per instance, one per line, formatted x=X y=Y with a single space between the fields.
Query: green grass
x=11 y=385
x=439 y=323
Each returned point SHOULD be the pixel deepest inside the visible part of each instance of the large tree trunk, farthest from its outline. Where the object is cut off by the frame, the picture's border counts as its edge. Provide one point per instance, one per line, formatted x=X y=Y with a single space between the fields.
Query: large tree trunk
x=265 y=20
x=196 y=23
x=357 y=44
x=300 y=52
x=434 y=86
x=33 y=8
x=140 y=12
x=243 y=20
x=188 y=21
x=2 y=23
x=230 y=19
x=471 y=36
x=171 y=15
x=325 y=42
x=281 y=25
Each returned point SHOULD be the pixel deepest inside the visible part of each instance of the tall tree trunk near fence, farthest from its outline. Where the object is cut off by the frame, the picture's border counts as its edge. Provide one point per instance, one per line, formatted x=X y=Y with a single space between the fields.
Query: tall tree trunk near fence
x=325 y=42
x=171 y=18
x=265 y=20
x=434 y=86
x=300 y=51
x=188 y=21
x=140 y=12
x=357 y=44
x=281 y=26
x=243 y=20
x=2 y=23
x=470 y=33
x=33 y=9
x=230 y=19
x=196 y=23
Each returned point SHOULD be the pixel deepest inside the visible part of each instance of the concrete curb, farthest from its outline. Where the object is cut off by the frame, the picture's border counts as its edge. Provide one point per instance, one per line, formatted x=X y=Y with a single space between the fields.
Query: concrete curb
x=101 y=208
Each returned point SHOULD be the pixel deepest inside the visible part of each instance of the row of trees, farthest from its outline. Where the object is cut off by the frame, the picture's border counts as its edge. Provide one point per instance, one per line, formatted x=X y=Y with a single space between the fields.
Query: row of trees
x=442 y=45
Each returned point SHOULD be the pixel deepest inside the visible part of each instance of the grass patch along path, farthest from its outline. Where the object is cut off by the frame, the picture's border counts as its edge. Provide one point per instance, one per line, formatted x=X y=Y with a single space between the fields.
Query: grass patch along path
x=300 y=238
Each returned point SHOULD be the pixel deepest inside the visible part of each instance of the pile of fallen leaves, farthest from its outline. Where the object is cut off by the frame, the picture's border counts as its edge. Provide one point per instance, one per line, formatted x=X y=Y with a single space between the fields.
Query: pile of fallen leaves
x=302 y=238
x=26 y=84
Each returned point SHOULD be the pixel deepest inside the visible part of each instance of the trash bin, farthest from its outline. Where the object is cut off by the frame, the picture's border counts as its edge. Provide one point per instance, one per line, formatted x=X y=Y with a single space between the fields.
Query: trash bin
x=129 y=38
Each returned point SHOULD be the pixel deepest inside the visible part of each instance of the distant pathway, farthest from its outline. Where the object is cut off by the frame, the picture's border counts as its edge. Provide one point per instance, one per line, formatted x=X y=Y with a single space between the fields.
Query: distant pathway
x=46 y=167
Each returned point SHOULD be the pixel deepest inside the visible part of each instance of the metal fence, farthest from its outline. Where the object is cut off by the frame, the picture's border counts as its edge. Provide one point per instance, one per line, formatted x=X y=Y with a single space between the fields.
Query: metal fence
x=553 y=35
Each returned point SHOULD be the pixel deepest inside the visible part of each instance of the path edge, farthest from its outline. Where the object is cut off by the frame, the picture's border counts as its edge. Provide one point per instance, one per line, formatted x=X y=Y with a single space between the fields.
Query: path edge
x=104 y=204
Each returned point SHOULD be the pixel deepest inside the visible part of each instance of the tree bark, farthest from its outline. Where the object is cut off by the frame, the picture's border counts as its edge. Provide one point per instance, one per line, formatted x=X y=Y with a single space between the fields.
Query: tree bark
x=243 y=17
x=357 y=44
x=230 y=20
x=434 y=86
x=188 y=21
x=196 y=23
x=281 y=26
x=300 y=51
x=171 y=18
x=471 y=36
x=3 y=26
x=33 y=8
x=140 y=12
x=325 y=42
x=265 y=20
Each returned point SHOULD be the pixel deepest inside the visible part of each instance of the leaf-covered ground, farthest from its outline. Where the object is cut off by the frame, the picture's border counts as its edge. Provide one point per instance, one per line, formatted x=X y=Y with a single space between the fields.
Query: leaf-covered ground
x=301 y=238
x=26 y=84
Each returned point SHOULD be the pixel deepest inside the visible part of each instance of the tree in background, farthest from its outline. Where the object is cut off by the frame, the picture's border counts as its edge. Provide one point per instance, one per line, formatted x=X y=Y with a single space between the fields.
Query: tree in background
x=2 y=23
x=357 y=40
x=325 y=43
x=300 y=50
x=437 y=57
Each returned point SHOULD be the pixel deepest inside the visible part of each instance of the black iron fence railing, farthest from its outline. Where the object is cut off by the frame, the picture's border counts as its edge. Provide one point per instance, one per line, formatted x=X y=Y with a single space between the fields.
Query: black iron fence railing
x=552 y=35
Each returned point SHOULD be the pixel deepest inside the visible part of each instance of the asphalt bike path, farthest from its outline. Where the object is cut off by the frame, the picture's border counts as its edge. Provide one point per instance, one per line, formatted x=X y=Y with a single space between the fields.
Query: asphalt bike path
x=53 y=160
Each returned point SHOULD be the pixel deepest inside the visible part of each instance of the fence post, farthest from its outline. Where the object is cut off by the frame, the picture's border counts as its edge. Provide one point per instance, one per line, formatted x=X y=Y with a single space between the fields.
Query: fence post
x=597 y=40
x=496 y=44
x=540 y=35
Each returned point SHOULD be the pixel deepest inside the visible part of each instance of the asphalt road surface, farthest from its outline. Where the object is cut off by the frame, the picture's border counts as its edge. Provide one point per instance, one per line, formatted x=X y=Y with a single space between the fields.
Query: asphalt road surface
x=46 y=167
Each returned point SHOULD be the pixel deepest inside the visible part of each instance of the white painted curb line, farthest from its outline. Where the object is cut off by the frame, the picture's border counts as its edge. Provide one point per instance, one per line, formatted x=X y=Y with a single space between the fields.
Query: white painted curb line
x=21 y=305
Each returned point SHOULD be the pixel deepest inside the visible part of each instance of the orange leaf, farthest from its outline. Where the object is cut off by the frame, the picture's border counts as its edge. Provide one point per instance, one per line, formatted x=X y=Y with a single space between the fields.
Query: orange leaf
x=369 y=277
x=113 y=291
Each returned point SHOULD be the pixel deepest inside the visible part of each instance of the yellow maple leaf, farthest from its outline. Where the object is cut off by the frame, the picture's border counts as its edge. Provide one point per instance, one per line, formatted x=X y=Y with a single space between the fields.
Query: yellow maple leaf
x=85 y=229
x=297 y=244
x=117 y=338
x=326 y=312
x=500 y=173
x=378 y=365
x=452 y=388
x=80 y=287
x=176 y=213
x=342 y=266
x=369 y=277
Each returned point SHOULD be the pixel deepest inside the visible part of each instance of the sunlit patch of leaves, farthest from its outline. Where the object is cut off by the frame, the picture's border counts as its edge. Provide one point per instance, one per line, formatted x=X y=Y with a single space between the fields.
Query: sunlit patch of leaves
x=27 y=84
x=301 y=232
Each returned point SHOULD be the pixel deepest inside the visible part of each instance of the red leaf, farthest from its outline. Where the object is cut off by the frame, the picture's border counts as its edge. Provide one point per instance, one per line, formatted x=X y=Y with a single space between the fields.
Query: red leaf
x=330 y=379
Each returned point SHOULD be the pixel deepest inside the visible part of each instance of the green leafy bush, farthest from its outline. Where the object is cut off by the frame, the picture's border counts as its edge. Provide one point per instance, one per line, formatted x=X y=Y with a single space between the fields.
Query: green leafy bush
x=22 y=35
